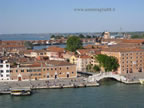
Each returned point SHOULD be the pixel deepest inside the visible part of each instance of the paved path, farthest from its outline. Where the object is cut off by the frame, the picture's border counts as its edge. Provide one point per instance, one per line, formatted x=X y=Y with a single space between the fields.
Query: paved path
x=4 y=86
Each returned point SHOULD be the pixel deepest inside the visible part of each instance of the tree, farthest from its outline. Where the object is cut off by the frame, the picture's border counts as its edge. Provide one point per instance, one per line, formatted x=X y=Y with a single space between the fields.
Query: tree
x=96 y=68
x=89 y=67
x=73 y=43
x=28 y=45
x=88 y=36
x=138 y=36
x=52 y=36
x=81 y=36
x=109 y=63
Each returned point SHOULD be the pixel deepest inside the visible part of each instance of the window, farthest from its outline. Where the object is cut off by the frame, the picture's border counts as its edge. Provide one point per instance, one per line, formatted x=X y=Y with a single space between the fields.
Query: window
x=7 y=65
x=127 y=71
x=55 y=68
x=43 y=69
x=1 y=75
x=67 y=68
x=22 y=70
x=1 y=71
x=1 y=66
x=51 y=68
x=60 y=68
x=7 y=75
x=72 y=72
x=140 y=70
x=47 y=68
x=131 y=71
x=7 y=71
x=16 y=70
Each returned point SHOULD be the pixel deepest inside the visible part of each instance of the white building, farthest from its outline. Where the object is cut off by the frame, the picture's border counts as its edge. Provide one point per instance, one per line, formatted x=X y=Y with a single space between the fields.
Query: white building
x=82 y=63
x=4 y=71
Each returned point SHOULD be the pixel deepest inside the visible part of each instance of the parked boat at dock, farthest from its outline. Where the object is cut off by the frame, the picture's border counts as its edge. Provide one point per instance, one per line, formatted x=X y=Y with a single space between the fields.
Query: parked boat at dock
x=20 y=91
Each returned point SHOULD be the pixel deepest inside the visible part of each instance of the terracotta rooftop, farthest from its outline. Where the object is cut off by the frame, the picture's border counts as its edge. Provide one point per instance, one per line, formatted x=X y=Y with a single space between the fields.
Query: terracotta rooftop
x=123 y=49
x=133 y=40
x=55 y=49
x=85 y=57
x=88 y=51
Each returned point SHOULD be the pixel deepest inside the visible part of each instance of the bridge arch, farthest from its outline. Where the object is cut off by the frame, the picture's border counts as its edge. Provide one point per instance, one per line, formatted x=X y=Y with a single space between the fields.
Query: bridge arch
x=113 y=78
x=98 y=77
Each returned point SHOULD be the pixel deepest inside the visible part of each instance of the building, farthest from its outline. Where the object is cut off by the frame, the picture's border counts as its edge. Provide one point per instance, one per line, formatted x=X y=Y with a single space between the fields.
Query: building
x=131 y=60
x=43 y=71
x=4 y=71
x=106 y=35
x=12 y=45
x=82 y=63
x=55 y=53
x=35 y=53
x=73 y=59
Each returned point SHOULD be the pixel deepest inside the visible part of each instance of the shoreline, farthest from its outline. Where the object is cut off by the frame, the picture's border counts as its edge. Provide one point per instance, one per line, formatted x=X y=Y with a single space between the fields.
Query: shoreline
x=5 y=87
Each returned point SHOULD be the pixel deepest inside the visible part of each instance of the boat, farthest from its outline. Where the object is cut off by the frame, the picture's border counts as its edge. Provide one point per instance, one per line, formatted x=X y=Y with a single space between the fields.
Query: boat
x=20 y=91
x=141 y=81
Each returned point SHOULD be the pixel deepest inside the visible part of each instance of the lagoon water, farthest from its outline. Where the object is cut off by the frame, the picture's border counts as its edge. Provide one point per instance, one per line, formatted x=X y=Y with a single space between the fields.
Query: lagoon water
x=24 y=36
x=108 y=95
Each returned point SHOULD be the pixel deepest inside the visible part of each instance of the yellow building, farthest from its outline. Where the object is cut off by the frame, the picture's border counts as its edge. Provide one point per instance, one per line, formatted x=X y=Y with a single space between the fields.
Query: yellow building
x=73 y=59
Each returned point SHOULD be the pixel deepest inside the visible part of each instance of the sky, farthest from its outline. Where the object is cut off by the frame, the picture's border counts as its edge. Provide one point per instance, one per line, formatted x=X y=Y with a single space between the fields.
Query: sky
x=61 y=16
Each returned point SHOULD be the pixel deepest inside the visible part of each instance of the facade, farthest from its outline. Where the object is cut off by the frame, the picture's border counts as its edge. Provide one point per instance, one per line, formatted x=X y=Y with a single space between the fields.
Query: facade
x=4 y=71
x=12 y=45
x=107 y=35
x=131 y=60
x=82 y=63
x=73 y=59
x=43 y=71
x=55 y=52
x=35 y=53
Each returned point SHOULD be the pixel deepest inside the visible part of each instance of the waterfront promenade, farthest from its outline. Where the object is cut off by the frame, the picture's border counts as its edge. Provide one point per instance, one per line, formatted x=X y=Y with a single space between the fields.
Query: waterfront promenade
x=50 y=84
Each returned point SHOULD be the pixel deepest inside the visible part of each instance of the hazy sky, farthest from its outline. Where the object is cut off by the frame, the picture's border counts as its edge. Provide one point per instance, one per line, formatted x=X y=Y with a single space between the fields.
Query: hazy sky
x=49 y=16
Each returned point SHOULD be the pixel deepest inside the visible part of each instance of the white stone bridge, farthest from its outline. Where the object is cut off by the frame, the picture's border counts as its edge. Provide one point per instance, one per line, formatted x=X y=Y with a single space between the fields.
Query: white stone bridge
x=100 y=76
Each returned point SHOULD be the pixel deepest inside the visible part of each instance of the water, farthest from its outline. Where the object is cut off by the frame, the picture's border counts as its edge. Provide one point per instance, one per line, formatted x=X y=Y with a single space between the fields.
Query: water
x=108 y=95
x=24 y=37
x=30 y=37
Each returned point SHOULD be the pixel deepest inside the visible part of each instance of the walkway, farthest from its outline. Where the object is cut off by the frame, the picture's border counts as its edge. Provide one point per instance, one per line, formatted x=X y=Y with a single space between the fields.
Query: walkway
x=100 y=76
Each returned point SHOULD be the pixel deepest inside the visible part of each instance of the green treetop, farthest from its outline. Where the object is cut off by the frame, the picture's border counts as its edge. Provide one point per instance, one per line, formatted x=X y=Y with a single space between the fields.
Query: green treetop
x=109 y=63
x=73 y=43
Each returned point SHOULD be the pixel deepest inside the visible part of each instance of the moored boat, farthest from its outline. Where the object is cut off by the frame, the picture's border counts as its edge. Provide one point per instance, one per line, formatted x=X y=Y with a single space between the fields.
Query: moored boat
x=20 y=91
